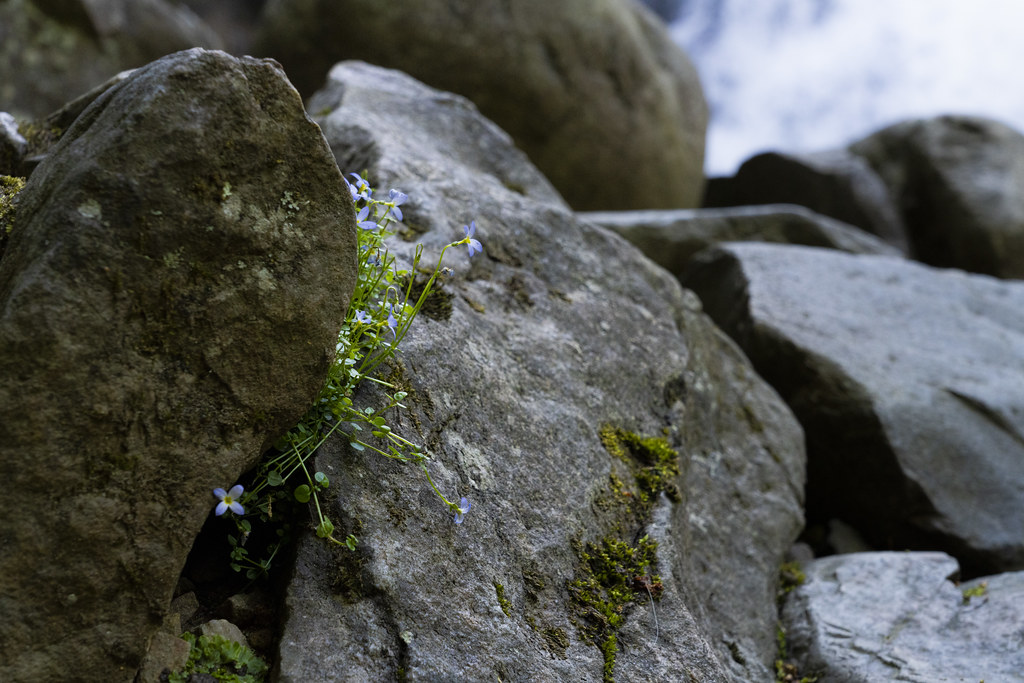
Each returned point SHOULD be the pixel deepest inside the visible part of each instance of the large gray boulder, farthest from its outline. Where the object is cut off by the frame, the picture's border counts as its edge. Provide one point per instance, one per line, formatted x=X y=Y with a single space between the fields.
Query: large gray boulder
x=179 y=268
x=554 y=338
x=871 y=617
x=595 y=92
x=834 y=183
x=671 y=237
x=52 y=50
x=956 y=180
x=908 y=380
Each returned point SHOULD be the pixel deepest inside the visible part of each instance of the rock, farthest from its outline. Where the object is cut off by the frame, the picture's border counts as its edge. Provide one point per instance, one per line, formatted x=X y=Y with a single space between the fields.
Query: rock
x=559 y=334
x=834 y=183
x=907 y=380
x=12 y=145
x=166 y=653
x=594 y=91
x=53 y=49
x=898 y=616
x=170 y=298
x=225 y=629
x=957 y=182
x=668 y=10
x=670 y=238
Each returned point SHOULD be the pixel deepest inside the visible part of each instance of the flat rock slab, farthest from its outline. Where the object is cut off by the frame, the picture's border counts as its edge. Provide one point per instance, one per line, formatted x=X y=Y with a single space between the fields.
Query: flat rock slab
x=908 y=380
x=170 y=298
x=870 y=617
x=558 y=329
x=671 y=237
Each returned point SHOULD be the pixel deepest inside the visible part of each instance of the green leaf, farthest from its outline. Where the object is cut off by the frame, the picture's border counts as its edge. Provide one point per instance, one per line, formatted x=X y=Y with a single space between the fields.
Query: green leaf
x=274 y=478
x=302 y=493
x=321 y=479
x=357 y=446
x=325 y=528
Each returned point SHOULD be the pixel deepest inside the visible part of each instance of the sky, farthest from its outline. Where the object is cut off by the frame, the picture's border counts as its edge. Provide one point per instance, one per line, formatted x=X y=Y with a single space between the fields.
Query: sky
x=806 y=75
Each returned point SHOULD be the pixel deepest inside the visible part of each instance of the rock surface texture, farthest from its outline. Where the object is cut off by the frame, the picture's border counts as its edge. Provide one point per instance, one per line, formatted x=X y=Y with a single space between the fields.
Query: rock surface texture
x=956 y=180
x=670 y=238
x=53 y=50
x=594 y=91
x=179 y=267
x=907 y=380
x=871 y=617
x=559 y=334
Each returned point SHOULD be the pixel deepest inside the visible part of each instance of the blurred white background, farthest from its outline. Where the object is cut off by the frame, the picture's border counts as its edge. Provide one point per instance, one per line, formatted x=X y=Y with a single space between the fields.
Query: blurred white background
x=806 y=75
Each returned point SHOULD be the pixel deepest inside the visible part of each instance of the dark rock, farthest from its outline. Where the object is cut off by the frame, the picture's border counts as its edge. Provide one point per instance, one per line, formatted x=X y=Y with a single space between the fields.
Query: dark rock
x=53 y=49
x=559 y=329
x=899 y=617
x=835 y=183
x=668 y=10
x=165 y=312
x=907 y=380
x=12 y=145
x=957 y=182
x=670 y=238
x=594 y=91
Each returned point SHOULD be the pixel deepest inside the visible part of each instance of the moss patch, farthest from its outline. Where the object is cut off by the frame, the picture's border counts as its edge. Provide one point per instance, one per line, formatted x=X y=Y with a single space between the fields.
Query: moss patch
x=618 y=570
x=506 y=606
x=9 y=189
x=653 y=462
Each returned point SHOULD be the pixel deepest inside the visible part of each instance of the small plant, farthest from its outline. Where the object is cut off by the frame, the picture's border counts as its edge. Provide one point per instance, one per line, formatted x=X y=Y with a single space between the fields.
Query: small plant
x=975 y=591
x=383 y=306
x=225 y=660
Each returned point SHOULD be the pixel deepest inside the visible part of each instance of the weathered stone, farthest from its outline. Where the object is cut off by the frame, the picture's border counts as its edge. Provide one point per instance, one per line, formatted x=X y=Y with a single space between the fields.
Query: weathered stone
x=170 y=297
x=957 y=182
x=908 y=380
x=874 y=617
x=559 y=329
x=594 y=91
x=166 y=653
x=833 y=183
x=225 y=629
x=670 y=238
x=53 y=49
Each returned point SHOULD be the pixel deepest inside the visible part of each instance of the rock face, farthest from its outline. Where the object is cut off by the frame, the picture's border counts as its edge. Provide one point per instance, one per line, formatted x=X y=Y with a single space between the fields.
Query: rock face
x=594 y=91
x=670 y=238
x=51 y=50
x=957 y=182
x=557 y=336
x=898 y=617
x=179 y=267
x=907 y=380
x=833 y=183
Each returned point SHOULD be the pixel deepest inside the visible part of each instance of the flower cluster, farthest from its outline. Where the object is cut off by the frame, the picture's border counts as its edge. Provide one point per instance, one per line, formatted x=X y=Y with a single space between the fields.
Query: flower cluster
x=381 y=310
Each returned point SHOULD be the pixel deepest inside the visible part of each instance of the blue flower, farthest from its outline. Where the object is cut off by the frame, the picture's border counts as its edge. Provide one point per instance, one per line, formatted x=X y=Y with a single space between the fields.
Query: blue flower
x=228 y=501
x=362 y=222
x=397 y=198
x=474 y=245
x=360 y=189
x=363 y=317
x=392 y=323
x=462 y=510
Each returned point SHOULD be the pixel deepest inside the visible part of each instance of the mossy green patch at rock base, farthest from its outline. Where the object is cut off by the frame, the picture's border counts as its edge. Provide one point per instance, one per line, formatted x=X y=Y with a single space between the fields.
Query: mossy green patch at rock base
x=223 y=659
